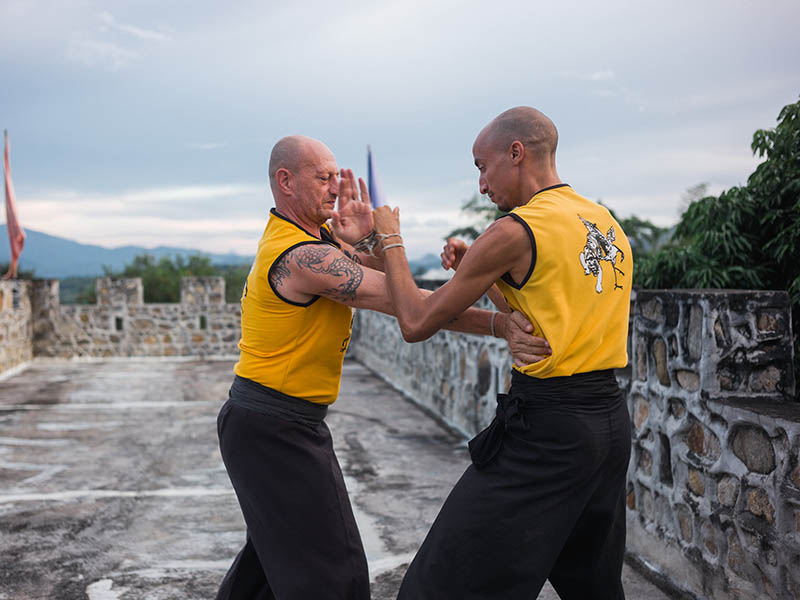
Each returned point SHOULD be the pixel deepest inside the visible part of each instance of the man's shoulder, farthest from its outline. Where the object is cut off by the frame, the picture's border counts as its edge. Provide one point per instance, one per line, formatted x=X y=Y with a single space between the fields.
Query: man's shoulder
x=507 y=236
x=511 y=224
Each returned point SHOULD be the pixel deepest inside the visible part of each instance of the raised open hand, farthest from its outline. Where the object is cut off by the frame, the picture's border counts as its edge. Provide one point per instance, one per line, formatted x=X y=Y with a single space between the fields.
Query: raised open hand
x=353 y=217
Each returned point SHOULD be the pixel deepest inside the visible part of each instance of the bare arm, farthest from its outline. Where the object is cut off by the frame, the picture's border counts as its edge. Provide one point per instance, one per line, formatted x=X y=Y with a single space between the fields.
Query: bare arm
x=503 y=247
x=454 y=250
x=373 y=262
x=320 y=269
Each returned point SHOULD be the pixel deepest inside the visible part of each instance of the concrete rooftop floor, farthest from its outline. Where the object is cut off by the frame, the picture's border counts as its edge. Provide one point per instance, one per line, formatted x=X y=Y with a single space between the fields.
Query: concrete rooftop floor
x=112 y=487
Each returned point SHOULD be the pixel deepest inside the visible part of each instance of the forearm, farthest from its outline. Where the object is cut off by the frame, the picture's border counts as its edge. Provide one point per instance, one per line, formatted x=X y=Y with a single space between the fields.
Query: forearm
x=473 y=320
x=497 y=298
x=479 y=322
x=408 y=301
x=373 y=262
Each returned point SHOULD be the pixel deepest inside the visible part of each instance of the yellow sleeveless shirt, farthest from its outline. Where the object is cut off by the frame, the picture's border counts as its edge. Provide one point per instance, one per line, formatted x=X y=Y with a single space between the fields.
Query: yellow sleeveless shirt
x=577 y=291
x=294 y=348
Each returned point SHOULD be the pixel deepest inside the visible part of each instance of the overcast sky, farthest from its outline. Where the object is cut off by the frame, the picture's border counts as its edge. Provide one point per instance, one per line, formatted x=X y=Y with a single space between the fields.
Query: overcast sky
x=151 y=122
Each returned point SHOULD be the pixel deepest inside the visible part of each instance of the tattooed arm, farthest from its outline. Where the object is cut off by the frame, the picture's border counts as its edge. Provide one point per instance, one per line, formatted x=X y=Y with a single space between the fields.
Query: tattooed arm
x=373 y=262
x=323 y=270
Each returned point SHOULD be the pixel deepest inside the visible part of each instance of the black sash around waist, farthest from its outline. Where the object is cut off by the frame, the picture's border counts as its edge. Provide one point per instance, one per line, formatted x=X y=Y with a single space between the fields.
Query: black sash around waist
x=260 y=398
x=580 y=388
x=593 y=391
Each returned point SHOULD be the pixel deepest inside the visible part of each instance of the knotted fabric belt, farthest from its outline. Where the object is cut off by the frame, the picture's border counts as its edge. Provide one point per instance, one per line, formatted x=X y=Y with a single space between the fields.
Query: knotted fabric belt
x=583 y=391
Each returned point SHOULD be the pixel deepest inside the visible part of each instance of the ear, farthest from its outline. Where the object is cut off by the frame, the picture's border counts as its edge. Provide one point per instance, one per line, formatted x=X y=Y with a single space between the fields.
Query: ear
x=283 y=177
x=517 y=152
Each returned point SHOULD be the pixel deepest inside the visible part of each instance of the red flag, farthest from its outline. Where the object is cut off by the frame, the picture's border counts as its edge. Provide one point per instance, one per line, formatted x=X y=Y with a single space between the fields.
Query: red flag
x=16 y=235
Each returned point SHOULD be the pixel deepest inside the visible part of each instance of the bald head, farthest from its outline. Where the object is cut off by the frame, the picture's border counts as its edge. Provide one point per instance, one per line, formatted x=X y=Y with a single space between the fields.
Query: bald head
x=294 y=152
x=527 y=125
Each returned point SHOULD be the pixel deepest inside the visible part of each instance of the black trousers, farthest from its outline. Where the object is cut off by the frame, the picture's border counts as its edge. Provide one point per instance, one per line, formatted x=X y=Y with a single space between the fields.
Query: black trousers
x=543 y=499
x=302 y=538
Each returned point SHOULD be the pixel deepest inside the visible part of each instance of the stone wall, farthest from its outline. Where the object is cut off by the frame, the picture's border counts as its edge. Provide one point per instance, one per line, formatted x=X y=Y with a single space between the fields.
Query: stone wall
x=714 y=490
x=714 y=482
x=456 y=376
x=121 y=324
x=16 y=330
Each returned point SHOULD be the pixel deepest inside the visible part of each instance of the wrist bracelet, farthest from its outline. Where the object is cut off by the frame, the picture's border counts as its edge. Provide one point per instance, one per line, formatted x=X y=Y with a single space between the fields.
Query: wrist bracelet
x=385 y=248
x=491 y=324
x=383 y=236
x=367 y=243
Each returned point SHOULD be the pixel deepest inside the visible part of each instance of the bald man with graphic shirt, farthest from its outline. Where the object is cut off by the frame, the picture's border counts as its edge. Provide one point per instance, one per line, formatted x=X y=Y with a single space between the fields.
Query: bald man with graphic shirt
x=302 y=540
x=544 y=495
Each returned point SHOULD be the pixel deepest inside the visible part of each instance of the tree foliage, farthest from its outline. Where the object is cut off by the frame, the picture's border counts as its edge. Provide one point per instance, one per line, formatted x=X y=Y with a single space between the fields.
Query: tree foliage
x=235 y=276
x=482 y=212
x=748 y=236
x=162 y=279
x=644 y=237
x=21 y=273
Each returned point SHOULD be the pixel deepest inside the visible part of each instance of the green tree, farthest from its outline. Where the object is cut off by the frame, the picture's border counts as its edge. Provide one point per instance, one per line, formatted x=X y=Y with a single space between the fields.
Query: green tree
x=748 y=236
x=644 y=236
x=21 y=273
x=162 y=279
x=235 y=276
x=482 y=210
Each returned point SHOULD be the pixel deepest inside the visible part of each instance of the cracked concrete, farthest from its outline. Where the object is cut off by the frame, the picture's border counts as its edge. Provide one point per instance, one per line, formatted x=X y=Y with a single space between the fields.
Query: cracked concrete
x=112 y=487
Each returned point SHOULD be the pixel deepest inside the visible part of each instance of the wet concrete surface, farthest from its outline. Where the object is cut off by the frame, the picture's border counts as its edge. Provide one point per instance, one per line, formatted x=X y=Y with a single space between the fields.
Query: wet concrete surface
x=112 y=487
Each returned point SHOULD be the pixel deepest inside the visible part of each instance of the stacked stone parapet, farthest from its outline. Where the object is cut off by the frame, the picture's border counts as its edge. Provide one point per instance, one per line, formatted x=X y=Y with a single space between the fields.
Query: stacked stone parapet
x=713 y=495
x=203 y=290
x=119 y=291
x=16 y=324
x=121 y=324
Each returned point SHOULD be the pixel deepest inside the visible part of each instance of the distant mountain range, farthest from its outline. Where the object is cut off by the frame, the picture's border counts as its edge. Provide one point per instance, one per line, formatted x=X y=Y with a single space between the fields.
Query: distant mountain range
x=54 y=257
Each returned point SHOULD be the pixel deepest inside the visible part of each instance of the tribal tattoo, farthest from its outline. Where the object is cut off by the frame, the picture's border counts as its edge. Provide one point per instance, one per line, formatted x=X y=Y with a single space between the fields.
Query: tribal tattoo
x=280 y=272
x=315 y=258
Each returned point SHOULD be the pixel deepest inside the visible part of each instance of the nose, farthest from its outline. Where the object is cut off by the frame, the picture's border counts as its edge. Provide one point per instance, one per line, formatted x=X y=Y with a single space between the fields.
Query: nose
x=482 y=187
x=334 y=187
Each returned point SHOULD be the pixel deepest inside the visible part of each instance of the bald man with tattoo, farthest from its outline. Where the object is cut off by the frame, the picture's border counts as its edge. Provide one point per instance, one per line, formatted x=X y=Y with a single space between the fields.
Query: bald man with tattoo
x=302 y=540
x=544 y=495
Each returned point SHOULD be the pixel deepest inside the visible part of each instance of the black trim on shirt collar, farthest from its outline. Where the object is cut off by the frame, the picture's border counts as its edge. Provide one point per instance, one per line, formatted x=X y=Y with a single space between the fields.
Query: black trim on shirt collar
x=552 y=187
x=324 y=234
